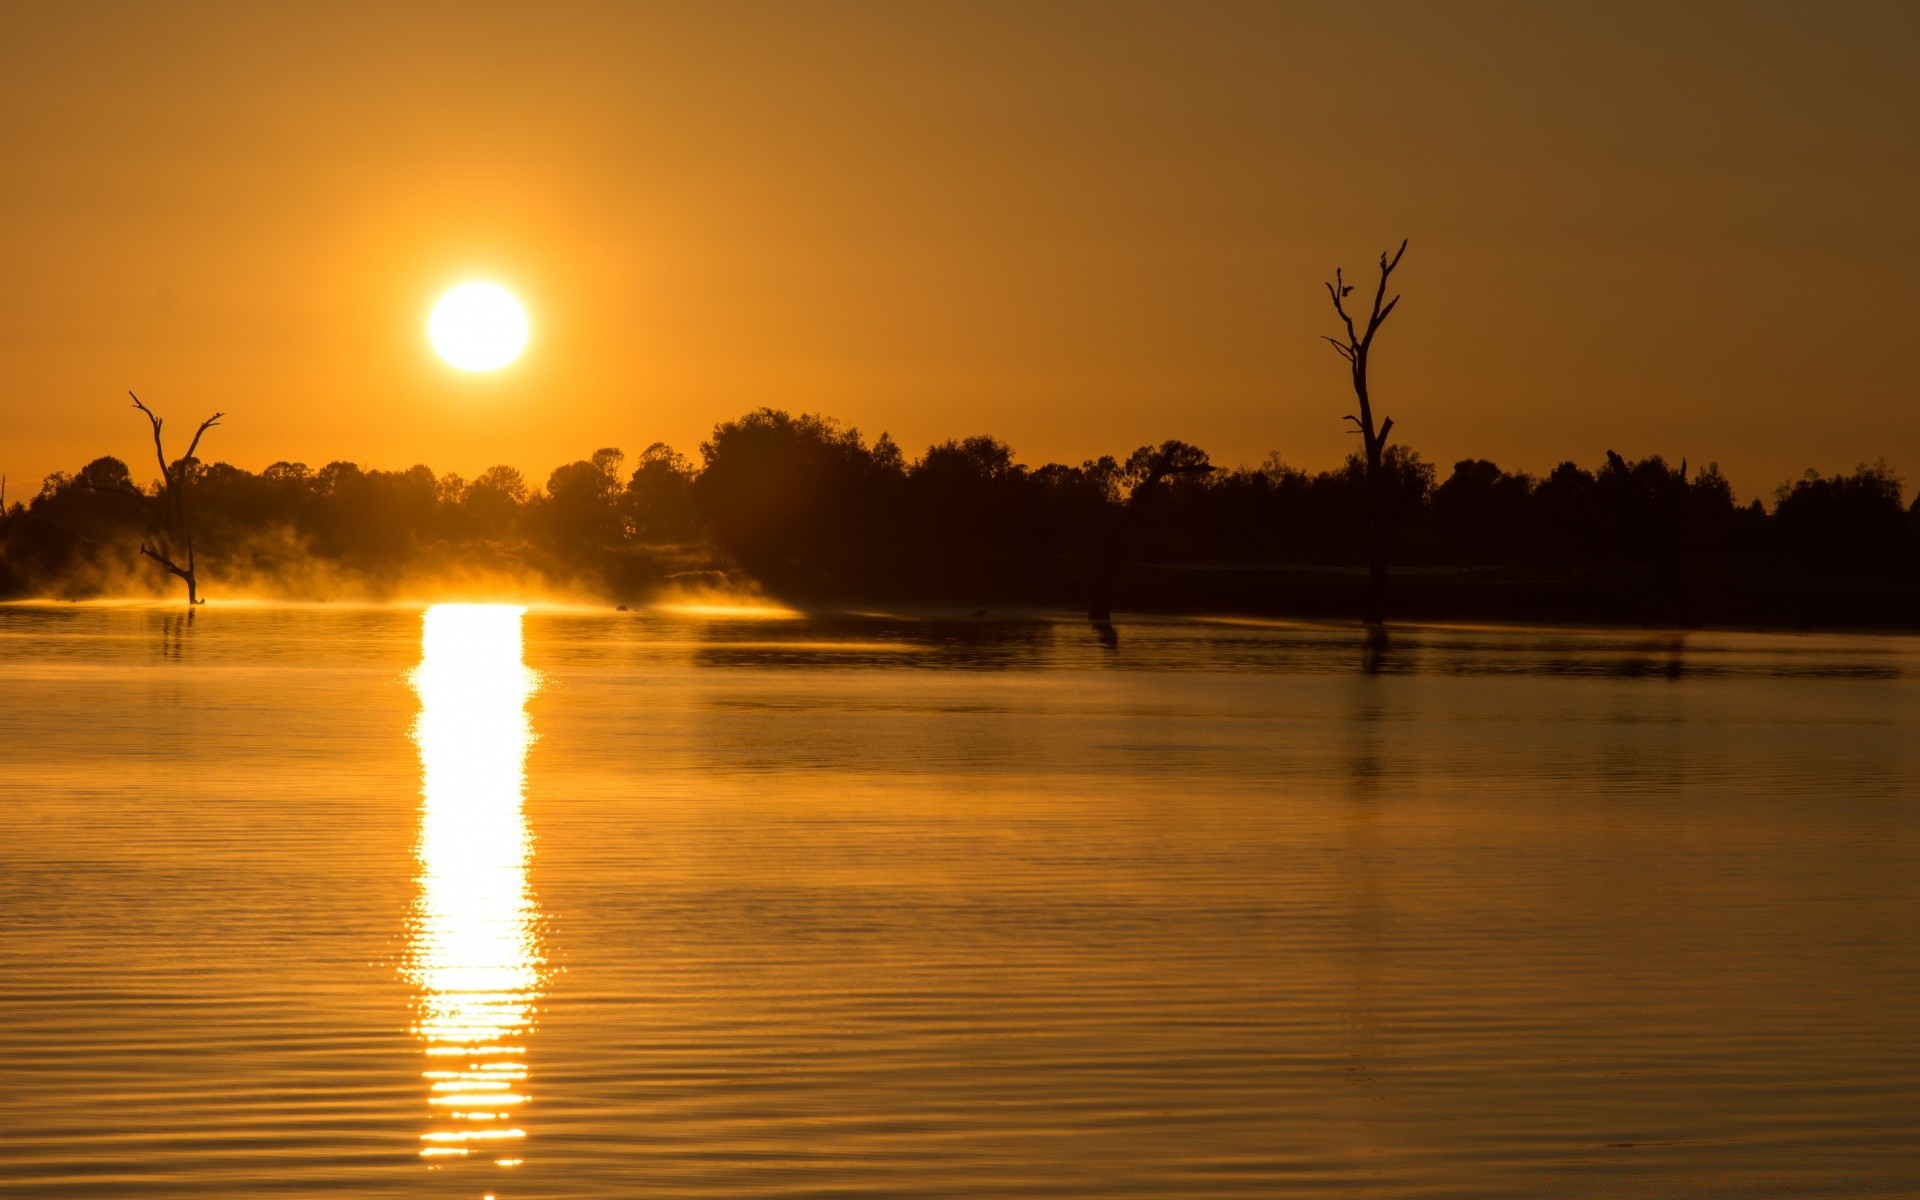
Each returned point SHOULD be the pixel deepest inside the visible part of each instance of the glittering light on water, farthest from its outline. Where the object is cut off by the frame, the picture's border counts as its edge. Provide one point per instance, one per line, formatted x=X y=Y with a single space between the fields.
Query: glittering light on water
x=474 y=949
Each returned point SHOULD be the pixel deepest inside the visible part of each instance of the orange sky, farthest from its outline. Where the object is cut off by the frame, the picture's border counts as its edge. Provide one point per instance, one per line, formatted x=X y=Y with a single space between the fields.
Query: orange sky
x=1689 y=230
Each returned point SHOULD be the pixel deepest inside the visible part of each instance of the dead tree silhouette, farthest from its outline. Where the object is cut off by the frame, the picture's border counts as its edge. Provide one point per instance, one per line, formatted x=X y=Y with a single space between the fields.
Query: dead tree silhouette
x=167 y=511
x=1382 y=509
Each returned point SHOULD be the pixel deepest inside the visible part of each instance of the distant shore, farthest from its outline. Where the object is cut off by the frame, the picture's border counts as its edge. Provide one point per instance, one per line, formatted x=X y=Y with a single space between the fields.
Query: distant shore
x=804 y=510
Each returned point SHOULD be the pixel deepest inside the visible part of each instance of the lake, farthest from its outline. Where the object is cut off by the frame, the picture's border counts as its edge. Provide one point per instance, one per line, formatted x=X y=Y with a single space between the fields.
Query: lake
x=481 y=902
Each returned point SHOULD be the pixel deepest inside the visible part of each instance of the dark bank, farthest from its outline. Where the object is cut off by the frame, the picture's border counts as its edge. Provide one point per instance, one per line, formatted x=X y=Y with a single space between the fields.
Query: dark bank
x=813 y=513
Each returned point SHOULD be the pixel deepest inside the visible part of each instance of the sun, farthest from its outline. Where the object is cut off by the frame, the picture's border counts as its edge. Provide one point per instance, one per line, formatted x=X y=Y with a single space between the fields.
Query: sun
x=478 y=327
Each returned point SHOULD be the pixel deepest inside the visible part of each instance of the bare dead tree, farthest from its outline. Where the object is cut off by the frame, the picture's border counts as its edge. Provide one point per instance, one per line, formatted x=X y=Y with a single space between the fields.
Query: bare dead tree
x=167 y=511
x=1382 y=508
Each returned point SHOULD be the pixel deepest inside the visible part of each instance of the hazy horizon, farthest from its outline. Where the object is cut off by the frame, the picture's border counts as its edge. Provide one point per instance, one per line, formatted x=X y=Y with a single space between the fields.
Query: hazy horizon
x=1078 y=228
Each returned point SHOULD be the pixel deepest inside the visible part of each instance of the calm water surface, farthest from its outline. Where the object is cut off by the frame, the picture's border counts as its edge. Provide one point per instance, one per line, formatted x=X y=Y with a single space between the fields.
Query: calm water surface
x=472 y=902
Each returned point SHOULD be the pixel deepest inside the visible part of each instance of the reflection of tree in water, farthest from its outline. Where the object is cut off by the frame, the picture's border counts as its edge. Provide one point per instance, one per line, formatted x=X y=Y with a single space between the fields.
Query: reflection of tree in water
x=1360 y=906
x=1375 y=651
x=174 y=628
x=1378 y=657
x=1676 y=658
x=1647 y=747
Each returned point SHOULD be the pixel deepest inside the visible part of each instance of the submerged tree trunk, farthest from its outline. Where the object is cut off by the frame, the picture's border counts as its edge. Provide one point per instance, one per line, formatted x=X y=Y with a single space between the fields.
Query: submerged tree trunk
x=1381 y=507
x=168 y=510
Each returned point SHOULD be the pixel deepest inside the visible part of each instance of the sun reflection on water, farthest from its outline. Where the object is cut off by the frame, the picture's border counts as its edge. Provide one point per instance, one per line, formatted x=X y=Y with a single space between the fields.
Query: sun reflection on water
x=474 y=954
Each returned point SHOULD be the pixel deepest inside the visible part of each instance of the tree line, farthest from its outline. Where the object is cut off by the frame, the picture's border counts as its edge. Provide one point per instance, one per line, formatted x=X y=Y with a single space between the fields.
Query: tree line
x=806 y=508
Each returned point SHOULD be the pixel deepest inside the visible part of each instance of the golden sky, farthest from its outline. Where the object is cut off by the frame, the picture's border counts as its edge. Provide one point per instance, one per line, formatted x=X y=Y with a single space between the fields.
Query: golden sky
x=1678 y=229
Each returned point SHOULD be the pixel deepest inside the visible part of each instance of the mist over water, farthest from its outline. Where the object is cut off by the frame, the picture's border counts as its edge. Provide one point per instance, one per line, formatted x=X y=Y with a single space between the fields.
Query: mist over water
x=695 y=903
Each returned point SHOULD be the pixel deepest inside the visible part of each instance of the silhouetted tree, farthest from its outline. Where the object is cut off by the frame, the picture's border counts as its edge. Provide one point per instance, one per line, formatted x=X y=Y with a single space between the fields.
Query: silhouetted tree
x=169 y=508
x=1858 y=515
x=582 y=508
x=659 y=496
x=1481 y=513
x=1073 y=508
x=971 y=506
x=1563 y=507
x=1144 y=468
x=800 y=502
x=491 y=504
x=1643 y=505
x=1383 y=509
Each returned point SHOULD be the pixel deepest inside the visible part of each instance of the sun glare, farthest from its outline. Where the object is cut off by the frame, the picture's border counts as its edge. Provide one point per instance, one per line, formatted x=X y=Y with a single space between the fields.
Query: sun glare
x=478 y=327
x=474 y=954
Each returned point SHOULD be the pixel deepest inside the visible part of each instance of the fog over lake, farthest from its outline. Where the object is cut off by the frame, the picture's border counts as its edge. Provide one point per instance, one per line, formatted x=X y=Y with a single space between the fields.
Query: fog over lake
x=476 y=900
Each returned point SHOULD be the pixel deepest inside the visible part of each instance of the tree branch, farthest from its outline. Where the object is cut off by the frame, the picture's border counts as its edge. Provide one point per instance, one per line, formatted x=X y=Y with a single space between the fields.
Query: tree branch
x=213 y=420
x=1345 y=351
x=1338 y=289
x=1386 y=269
x=1380 y=294
x=158 y=451
x=164 y=561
